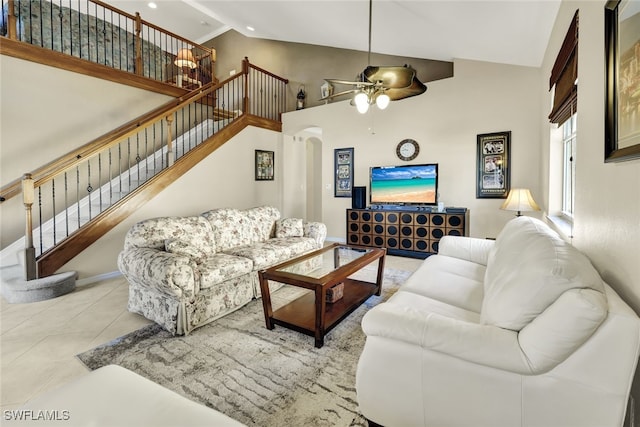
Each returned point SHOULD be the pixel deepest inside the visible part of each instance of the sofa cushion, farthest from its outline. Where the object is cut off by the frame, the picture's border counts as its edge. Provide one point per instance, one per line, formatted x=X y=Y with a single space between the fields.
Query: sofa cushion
x=289 y=227
x=451 y=280
x=221 y=268
x=411 y=302
x=273 y=251
x=183 y=247
x=295 y=245
x=235 y=228
x=153 y=233
x=529 y=268
x=264 y=219
x=231 y=227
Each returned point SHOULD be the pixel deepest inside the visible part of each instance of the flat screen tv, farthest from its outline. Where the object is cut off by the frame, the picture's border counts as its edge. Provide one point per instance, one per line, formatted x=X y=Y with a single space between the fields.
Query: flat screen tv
x=404 y=184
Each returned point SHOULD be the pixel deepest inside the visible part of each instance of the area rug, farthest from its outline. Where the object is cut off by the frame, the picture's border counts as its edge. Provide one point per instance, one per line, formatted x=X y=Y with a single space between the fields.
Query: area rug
x=256 y=376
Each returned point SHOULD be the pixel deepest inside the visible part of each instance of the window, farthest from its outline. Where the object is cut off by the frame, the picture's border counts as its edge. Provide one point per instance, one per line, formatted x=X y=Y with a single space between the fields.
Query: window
x=568 y=165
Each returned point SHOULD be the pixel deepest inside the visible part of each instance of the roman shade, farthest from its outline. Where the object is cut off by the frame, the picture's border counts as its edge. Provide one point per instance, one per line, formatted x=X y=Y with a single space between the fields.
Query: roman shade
x=564 y=76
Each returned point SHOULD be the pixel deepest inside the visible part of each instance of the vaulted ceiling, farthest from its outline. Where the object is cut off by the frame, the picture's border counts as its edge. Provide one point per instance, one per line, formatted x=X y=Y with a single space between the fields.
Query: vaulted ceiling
x=503 y=31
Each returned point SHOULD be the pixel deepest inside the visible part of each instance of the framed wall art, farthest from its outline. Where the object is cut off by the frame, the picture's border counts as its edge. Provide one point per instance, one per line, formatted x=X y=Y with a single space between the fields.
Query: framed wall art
x=343 y=160
x=264 y=165
x=493 y=165
x=622 y=48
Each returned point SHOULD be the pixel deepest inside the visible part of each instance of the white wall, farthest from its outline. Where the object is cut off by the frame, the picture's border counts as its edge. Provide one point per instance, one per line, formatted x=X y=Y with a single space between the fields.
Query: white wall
x=607 y=203
x=480 y=98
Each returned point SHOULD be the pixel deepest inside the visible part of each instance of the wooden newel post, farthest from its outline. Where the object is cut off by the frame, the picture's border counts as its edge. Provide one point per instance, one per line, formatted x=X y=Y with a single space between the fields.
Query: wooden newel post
x=139 y=66
x=170 y=154
x=245 y=71
x=28 y=196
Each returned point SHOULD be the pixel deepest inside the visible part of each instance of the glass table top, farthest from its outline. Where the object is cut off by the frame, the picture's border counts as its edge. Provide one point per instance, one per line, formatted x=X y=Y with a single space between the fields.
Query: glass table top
x=330 y=259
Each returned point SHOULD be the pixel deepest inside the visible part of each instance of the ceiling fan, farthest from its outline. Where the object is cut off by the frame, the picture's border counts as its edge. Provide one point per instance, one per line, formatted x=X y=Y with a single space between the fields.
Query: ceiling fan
x=379 y=85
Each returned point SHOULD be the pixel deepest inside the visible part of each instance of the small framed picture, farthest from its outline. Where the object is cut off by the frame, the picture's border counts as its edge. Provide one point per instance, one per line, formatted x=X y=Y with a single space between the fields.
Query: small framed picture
x=344 y=172
x=264 y=165
x=493 y=167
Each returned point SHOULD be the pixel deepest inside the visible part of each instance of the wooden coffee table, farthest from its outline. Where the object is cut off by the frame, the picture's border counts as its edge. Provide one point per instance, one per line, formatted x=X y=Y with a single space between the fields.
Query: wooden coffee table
x=318 y=271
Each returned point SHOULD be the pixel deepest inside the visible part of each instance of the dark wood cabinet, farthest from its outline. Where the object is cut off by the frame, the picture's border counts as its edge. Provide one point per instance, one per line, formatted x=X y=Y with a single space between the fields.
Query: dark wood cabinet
x=408 y=232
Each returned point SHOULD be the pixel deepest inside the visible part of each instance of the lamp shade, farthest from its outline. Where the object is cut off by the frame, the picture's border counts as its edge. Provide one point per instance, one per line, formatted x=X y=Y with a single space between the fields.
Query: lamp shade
x=185 y=59
x=520 y=199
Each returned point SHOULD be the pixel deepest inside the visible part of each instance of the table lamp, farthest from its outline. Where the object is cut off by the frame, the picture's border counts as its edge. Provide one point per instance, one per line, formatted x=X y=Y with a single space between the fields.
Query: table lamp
x=520 y=199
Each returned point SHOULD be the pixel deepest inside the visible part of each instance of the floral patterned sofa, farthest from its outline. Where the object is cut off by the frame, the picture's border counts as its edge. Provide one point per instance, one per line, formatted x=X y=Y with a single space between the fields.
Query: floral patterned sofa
x=185 y=272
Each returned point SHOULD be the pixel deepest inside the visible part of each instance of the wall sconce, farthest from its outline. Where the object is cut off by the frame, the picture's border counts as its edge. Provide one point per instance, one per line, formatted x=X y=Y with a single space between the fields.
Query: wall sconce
x=300 y=97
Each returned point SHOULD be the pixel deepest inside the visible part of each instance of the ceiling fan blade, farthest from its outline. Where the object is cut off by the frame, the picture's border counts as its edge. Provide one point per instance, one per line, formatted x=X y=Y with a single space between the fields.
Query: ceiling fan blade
x=345 y=92
x=348 y=82
x=390 y=77
x=416 y=88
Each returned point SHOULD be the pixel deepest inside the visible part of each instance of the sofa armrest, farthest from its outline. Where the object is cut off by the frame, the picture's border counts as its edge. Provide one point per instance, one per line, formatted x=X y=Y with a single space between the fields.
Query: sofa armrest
x=170 y=273
x=317 y=231
x=480 y=344
x=467 y=248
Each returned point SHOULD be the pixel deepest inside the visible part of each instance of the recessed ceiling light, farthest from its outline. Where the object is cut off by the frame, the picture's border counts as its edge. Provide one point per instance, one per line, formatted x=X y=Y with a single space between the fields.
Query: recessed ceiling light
x=152 y=5
x=250 y=28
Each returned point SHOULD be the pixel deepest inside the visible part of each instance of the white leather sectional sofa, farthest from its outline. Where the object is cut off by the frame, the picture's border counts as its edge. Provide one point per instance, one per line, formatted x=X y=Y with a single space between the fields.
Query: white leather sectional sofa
x=520 y=331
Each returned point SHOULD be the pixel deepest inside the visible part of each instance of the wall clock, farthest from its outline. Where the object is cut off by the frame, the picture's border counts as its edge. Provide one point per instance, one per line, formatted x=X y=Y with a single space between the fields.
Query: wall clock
x=407 y=149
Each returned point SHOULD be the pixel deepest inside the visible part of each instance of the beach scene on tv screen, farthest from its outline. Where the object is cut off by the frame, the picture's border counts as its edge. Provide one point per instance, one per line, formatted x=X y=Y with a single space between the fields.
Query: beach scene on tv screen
x=406 y=184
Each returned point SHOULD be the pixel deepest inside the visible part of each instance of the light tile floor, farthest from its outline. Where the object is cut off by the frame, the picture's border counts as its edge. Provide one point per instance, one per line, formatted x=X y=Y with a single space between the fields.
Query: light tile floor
x=40 y=341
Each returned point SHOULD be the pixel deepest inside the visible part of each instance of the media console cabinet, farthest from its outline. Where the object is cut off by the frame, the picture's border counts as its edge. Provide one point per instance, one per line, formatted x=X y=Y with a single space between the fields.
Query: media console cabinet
x=410 y=232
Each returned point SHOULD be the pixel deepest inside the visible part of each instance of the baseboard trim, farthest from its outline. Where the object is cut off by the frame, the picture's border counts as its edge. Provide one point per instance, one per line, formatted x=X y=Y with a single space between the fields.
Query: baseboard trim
x=98 y=278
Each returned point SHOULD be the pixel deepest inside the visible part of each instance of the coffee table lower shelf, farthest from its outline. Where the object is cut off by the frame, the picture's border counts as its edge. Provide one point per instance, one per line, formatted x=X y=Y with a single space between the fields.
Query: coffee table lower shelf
x=300 y=314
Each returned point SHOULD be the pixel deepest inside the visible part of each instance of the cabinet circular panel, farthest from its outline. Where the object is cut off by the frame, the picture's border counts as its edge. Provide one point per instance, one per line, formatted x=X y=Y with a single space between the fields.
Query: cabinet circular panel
x=392 y=230
x=455 y=221
x=406 y=231
x=437 y=233
x=354 y=227
x=392 y=242
x=366 y=228
x=422 y=245
x=437 y=219
x=366 y=216
x=353 y=215
x=406 y=218
x=422 y=219
x=378 y=241
x=422 y=232
x=378 y=217
x=392 y=217
x=378 y=229
x=406 y=244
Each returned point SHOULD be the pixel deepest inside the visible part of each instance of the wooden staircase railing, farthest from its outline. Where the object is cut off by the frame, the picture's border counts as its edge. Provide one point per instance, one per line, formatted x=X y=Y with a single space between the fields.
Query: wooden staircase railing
x=94 y=31
x=78 y=197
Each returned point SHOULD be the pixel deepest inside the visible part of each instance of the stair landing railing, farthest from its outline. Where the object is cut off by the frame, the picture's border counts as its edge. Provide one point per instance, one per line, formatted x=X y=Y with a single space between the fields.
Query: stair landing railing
x=64 y=196
x=100 y=33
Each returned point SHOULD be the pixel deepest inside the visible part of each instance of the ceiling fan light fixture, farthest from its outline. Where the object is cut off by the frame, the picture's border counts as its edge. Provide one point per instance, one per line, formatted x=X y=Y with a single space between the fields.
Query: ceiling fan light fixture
x=362 y=102
x=382 y=101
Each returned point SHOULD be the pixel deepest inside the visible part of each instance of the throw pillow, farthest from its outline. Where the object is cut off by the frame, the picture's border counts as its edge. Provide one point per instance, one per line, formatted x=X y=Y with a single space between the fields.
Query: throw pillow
x=289 y=227
x=181 y=247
